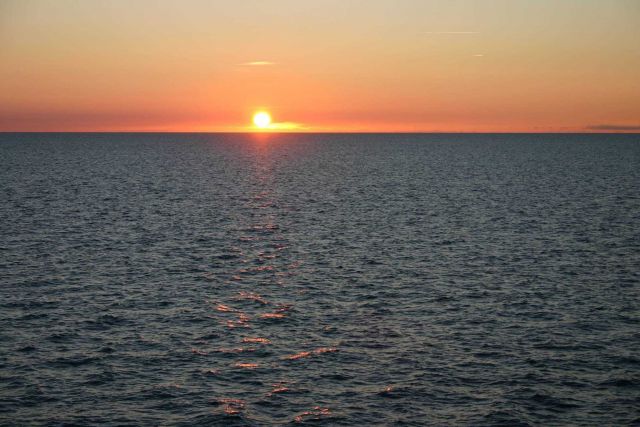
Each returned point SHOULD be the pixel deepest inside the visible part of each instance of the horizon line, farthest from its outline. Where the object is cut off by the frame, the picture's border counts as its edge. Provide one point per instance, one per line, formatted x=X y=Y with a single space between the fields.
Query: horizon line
x=585 y=132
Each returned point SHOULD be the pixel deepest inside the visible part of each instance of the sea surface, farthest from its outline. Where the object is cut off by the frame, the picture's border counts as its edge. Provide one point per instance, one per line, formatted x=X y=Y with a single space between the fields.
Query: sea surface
x=328 y=279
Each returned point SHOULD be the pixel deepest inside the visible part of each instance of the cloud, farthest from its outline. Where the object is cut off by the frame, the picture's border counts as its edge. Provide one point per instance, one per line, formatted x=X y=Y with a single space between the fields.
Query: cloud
x=287 y=126
x=453 y=33
x=613 y=127
x=479 y=55
x=257 y=63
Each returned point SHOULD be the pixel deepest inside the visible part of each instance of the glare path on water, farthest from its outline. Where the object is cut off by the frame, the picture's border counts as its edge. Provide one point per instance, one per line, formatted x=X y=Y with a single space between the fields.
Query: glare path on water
x=260 y=248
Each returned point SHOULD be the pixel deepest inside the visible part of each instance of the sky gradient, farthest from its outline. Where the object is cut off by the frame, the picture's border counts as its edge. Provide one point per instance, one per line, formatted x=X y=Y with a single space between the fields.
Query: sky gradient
x=334 y=65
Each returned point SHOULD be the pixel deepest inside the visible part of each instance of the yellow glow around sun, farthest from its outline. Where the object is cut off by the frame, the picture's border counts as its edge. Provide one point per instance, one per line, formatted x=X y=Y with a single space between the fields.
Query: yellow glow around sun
x=262 y=119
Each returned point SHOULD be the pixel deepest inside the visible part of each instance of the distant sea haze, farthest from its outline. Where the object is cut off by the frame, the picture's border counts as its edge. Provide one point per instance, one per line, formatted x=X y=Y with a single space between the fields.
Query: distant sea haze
x=338 y=279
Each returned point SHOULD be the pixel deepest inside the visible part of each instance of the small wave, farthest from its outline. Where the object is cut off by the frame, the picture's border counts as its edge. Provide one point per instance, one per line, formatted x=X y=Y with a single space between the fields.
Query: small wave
x=256 y=340
x=245 y=365
x=317 y=413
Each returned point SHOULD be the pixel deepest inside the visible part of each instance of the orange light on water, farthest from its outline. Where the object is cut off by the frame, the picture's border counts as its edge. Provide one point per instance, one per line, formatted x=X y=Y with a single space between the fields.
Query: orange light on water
x=246 y=365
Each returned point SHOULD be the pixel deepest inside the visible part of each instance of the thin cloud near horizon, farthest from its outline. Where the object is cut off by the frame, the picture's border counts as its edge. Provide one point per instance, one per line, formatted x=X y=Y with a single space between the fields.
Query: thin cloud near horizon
x=287 y=126
x=458 y=33
x=257 y=63
x=613 y=127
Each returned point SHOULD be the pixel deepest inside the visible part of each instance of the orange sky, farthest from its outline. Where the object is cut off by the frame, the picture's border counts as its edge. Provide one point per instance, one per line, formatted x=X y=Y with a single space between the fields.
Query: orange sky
x=333 y=65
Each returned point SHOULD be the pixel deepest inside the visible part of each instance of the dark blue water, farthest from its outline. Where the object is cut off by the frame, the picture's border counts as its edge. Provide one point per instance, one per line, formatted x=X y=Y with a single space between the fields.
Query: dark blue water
x=355 y=280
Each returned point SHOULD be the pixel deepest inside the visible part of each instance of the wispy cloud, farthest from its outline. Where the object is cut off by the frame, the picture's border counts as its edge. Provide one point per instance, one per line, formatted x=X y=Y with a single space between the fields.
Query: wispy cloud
x=257 y=63
x=613 y=127
x=479 y=55
x=453 y=33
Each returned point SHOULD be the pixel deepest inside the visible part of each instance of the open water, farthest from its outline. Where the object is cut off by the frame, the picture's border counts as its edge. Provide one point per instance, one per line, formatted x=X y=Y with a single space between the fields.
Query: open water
x=212 y=279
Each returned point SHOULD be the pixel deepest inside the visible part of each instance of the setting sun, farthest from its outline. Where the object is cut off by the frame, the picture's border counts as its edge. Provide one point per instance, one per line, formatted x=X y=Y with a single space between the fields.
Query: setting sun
x=262 y=119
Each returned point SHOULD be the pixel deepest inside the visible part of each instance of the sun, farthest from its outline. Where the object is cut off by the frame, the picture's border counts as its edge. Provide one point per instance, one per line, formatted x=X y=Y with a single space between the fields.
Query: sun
x=262 y=119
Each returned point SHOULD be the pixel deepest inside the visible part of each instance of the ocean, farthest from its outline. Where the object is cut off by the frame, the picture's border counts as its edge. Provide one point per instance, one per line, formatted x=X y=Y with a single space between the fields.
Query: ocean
x=328 y=279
